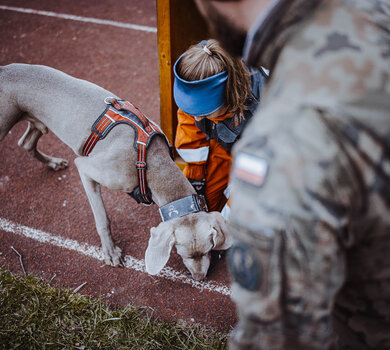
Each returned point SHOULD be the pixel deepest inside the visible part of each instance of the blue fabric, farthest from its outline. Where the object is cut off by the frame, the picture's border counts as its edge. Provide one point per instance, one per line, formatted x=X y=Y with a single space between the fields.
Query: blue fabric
x=199 y=97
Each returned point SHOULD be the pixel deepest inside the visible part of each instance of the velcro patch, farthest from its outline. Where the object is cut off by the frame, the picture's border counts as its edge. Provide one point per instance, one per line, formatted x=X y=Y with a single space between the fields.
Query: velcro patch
x=250 y=169
x=244 y=266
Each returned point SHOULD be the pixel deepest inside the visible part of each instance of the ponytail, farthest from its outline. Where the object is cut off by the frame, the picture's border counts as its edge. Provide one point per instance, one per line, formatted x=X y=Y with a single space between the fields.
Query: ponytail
x=207 y=59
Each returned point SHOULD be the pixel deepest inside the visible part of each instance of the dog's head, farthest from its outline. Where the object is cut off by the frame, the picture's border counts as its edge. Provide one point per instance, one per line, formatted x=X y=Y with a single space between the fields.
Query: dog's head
x=194 y=236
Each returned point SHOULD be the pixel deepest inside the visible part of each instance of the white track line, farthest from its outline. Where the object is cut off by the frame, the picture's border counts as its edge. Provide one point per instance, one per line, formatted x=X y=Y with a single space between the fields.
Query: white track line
x=97 y=253
x=80 y=18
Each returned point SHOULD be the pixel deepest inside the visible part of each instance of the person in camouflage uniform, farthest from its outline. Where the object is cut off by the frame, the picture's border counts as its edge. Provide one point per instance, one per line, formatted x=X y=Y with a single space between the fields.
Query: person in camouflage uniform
x=311 y=176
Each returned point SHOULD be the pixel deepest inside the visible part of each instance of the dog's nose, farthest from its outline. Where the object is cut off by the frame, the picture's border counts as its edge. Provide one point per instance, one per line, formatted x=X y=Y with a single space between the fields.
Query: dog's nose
x=198 y=276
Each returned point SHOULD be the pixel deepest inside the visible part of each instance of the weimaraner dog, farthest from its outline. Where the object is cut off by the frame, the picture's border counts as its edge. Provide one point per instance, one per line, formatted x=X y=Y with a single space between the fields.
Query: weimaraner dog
x=50 y=99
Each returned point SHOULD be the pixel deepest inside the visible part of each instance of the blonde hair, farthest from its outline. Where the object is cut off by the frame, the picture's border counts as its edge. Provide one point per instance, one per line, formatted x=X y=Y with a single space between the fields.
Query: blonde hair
x=204 y=60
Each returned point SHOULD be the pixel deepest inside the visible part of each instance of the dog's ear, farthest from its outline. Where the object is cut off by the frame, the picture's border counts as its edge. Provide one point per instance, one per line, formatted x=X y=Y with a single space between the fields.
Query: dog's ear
x=159 y=248
x=220 y=236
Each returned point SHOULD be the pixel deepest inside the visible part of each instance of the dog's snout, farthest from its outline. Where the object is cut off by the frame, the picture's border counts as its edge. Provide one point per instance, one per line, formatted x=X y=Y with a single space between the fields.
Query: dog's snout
x=198 y=265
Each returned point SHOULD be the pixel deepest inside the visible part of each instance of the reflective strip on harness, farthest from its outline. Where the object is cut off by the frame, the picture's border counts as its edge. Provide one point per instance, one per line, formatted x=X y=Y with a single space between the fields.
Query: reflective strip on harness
x=123 y=112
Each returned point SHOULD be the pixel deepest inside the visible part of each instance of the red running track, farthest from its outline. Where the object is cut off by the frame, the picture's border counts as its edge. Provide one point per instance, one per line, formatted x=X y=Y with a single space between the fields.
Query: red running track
x=36 y=202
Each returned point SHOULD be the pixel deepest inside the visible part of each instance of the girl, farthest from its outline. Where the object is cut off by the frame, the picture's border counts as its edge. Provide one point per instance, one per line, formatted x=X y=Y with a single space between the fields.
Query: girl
x=216 y=95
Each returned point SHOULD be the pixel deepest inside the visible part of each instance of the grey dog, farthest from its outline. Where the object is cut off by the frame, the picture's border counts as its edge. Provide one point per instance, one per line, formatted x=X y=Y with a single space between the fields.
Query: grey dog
x=50 y=99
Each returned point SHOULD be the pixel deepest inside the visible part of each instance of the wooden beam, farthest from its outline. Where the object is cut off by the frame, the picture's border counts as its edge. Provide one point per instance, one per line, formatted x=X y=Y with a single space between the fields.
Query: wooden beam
x=179 y=25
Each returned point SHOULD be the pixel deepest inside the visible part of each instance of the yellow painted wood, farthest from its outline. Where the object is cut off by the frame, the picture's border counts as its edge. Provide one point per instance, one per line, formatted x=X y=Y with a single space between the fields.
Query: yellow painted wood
x=179 y=25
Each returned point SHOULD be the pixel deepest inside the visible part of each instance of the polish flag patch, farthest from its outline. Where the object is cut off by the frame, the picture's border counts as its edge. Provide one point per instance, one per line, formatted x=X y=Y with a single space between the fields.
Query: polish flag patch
x=250 y=169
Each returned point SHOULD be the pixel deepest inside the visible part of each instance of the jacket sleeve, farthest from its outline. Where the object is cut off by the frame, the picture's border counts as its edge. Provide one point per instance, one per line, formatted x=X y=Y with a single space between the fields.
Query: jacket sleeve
x=192 y=146
x=289 y=228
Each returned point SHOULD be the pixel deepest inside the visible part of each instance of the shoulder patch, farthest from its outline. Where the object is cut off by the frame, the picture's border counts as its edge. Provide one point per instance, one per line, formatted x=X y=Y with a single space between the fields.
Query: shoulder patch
x=244 y=266
x=250 y=169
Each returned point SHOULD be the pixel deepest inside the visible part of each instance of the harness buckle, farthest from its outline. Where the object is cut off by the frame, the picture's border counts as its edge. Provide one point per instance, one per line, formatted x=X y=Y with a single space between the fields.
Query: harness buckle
x=201 y=200
x=140 y=165
x=98 y=133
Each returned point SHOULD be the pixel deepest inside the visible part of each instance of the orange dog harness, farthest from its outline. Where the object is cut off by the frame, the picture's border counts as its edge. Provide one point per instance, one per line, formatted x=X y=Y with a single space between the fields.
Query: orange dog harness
x=123 y=112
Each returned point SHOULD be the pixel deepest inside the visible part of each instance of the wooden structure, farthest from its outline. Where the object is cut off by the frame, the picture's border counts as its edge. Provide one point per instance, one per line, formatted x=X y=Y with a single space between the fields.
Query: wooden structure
x=179 y=25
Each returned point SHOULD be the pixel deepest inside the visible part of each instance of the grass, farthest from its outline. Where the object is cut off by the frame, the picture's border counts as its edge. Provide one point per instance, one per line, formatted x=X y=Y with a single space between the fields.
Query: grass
x=34 y=315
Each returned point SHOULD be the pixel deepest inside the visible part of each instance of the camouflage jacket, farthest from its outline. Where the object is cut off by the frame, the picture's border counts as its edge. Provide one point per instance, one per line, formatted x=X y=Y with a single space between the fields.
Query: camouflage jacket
x=311 y=183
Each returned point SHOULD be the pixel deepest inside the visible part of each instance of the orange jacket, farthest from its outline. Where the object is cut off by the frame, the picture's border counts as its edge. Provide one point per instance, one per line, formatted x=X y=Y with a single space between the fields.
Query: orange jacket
x=205 y=159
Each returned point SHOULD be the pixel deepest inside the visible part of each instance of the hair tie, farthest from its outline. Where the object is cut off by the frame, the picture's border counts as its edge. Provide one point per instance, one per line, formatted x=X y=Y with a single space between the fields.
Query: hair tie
x=207 y=50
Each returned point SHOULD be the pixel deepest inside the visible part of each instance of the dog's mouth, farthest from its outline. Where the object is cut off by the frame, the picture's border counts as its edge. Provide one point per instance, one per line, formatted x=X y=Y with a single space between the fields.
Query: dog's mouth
x=198 y=276
x=215 y=257
x=210 y=259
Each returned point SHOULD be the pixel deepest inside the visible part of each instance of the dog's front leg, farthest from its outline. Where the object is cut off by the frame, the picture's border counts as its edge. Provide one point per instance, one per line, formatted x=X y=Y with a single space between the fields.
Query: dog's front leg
x=112 y=253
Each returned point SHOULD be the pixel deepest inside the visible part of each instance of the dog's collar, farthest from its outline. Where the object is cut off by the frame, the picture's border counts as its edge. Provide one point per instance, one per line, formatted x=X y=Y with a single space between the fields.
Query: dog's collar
x=183 y=206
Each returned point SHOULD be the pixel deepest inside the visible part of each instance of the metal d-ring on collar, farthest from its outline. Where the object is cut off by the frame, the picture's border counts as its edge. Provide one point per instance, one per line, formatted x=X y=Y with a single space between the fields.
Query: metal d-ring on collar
x=182 y=206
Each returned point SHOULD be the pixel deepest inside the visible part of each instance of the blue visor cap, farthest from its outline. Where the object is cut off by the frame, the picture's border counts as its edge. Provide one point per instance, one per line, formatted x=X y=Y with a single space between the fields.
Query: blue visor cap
x=200 y=97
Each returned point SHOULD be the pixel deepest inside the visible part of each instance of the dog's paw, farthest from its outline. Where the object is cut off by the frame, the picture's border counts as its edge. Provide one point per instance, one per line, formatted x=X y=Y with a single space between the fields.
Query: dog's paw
x=57 y=164
x=114 y=257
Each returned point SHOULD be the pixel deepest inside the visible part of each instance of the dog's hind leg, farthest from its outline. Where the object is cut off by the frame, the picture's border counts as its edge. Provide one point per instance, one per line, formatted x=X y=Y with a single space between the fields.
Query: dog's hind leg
x=112 y=253
x=29 y=140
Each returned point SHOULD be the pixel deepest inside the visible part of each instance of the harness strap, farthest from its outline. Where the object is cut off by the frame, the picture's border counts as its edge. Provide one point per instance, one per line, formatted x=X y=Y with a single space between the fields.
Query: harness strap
x=117 y=112
x=90 y=143
x=141 y=170
x=126 y=105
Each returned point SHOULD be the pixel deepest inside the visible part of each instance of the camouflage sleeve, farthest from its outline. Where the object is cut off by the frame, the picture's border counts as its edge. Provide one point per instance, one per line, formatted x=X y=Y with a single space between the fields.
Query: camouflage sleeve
x=289 y=194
